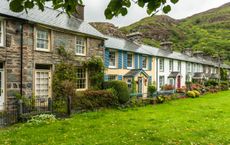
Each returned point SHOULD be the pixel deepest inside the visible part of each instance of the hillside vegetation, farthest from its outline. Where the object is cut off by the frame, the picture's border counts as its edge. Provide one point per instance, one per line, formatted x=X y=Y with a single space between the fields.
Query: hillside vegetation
x=208 y=31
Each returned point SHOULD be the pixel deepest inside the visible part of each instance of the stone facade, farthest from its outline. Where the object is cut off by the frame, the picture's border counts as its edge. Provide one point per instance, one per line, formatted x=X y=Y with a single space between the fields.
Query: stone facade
x=10 y=54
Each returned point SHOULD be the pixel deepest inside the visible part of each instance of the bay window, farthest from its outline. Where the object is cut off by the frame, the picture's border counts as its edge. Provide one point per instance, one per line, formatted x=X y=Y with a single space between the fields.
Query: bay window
x=80 y=46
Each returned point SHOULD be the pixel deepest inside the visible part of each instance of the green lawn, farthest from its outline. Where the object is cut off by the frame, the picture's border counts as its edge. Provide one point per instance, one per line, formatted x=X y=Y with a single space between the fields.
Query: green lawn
x=204 y=120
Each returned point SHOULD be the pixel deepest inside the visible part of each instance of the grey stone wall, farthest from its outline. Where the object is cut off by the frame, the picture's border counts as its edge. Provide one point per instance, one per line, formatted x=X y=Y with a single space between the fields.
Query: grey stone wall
x=10 y=55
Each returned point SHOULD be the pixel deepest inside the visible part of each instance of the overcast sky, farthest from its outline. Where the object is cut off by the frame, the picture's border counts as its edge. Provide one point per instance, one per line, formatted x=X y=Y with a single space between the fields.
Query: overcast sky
x=94 y=10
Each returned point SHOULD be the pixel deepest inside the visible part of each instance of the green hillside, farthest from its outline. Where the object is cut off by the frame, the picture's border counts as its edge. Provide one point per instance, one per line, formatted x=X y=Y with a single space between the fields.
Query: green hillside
x=208 y=31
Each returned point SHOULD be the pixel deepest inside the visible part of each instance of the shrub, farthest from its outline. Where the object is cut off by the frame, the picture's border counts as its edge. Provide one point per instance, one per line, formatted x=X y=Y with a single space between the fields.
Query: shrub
x=160 y=99
x=121 y=88
x=94 y=99
x=224 y=85
x=167 y=87
x=191 y=94
x=211 y=83
x=42 y=119
x=197 y=94
x=151 y=89
x=181 y=90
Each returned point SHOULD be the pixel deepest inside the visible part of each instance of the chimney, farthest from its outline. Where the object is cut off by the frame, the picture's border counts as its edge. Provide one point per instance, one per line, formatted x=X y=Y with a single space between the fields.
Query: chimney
x=188 y=51
x=135 y=37
x=79 y=13
x=167 y=46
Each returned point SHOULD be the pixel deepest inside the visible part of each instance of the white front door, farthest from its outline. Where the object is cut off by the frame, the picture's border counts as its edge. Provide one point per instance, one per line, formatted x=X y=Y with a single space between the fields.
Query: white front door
x=2 y=97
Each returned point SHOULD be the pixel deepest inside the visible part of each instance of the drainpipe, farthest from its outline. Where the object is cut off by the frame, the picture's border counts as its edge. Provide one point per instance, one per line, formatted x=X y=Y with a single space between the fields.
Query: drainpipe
x=21 y=58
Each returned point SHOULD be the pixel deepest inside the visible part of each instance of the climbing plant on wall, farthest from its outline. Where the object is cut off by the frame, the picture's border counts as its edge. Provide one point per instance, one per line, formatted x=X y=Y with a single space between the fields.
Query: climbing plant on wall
x=95 y=68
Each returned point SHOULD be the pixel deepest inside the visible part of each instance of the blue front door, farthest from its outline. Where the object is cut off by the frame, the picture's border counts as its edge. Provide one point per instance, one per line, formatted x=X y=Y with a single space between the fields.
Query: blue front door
x=140 y=85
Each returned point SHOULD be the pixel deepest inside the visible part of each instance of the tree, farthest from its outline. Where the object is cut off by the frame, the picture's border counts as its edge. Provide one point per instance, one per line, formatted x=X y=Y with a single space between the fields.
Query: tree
x=114 y=8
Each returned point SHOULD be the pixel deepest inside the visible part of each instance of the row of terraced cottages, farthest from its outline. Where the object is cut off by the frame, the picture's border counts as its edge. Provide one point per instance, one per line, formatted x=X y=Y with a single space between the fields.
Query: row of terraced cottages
x=29 y=45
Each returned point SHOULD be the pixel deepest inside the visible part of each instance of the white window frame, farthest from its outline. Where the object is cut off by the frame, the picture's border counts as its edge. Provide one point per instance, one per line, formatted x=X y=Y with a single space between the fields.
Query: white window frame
x=48 y=39
x=2 y=32
x=179 y=66
x=115 y=59
x=112 y=77
x=130 y=67
x=81 y=45
x=146 y=62
x=171 y=81
x=129 y=83
x=86 y=80
x=49 y=81
x=170 y=65
x=161 y=65
x=161 y=81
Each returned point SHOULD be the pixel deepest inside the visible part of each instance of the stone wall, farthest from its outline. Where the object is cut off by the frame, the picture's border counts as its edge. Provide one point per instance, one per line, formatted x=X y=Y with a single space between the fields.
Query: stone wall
x=10 y=55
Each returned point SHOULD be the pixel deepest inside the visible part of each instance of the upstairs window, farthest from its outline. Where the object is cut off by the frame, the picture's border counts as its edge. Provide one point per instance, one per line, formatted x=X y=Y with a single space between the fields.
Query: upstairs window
x=179 y=66
x=81 y=78
x=170 y=65
x=80 y=46
x=43 y=36
x=161 y=64
x=112 y=59
x=1 y=33
x=144 y=62
x=130 y=60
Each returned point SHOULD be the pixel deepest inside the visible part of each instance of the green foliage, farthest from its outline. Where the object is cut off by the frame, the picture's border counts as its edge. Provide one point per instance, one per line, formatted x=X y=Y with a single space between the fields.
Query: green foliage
x=197 y=94
x=94 y=99
x=160 y=99
x=224 y=85
x=134 y=86
x=152 y=89
x=211 y=83
x=191 y=94
x=121 y=89
x=42 y=119
x=95 y=68
x=201 y=121
x=114 y=8
x=223 y=74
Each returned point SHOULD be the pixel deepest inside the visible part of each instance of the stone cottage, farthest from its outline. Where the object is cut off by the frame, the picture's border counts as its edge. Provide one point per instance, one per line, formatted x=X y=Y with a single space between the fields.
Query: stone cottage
x=28 y=49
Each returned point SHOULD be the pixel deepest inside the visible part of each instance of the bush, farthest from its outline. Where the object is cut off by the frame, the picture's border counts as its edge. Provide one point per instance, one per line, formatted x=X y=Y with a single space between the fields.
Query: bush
x=224 y=85
x=91 y=99
x=167 y=87
x=160 y=99
x=191 y=94
x=121 y=89
x=151 y=89
x=181 y=90
x=211 y=83
x=42 y=119
x=197 y=94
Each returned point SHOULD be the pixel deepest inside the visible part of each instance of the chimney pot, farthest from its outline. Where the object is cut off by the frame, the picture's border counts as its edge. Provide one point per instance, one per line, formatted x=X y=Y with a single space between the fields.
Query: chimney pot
x=167 y=46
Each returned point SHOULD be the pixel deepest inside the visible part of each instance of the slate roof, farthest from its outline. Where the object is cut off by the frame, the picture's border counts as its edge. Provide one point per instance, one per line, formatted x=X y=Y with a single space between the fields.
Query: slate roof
x=49 y=17
x=174 y=74
x=134 y=72
x=126 y=45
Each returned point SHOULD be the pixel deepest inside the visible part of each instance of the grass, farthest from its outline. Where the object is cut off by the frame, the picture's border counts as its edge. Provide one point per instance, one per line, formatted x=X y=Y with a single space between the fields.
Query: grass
x=204 y=120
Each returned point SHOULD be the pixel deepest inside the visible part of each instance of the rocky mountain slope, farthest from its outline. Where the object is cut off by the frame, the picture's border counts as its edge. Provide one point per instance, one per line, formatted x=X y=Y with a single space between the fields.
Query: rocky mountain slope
x=207 y=31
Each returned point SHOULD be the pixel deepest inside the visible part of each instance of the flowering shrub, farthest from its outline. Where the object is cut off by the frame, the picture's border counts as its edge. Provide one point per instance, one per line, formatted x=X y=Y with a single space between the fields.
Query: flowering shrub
x=197 y=94
x=191 y=94
x=167 y=87
x=181 y=90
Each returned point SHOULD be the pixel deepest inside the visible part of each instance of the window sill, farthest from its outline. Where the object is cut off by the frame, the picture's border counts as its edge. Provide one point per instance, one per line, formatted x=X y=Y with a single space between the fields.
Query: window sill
x=130 y=68
x=81 y=89
x=112 y=67
x=42 y=50
x=79 y=54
